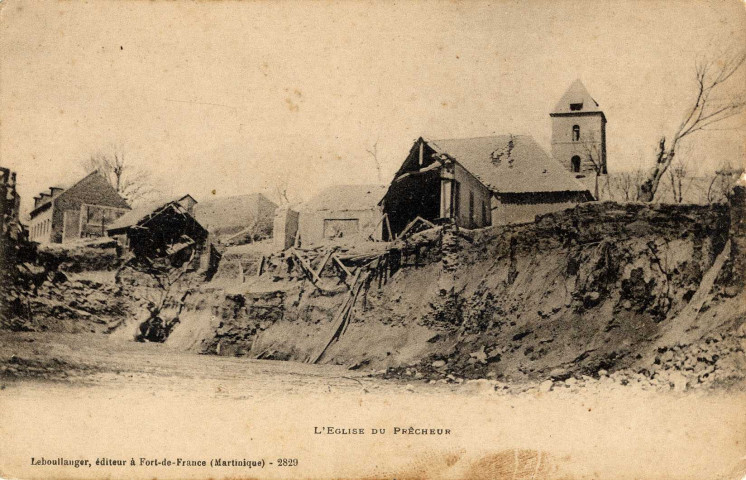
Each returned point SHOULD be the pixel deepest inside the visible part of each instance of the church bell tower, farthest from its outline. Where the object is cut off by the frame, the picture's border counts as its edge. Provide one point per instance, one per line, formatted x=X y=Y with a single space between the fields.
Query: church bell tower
x=579 y=133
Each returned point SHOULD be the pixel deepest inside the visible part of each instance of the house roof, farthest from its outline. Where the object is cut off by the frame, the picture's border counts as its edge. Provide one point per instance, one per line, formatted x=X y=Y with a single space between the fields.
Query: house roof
x=509 y=164
x=134 y=216
x=346 y=198
x=577 y=94
x=237 y=210
x=48 y=197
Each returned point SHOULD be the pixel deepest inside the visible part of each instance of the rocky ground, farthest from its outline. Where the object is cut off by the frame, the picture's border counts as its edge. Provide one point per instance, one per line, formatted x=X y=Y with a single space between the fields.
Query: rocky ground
x=716 y=360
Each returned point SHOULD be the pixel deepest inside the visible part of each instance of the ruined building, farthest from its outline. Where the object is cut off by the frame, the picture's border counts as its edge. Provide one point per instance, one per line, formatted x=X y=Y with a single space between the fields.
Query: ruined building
x=83 y=210
x=477 y=182
x=482 y=181
x=160 y=228
x=10 y=204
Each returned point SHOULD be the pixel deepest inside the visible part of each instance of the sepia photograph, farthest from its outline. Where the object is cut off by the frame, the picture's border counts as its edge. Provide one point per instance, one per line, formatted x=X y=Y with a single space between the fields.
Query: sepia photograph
x=416 y=240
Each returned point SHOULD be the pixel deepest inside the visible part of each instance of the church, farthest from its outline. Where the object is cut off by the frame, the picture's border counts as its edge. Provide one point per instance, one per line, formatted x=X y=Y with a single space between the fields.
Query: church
x=501 y=179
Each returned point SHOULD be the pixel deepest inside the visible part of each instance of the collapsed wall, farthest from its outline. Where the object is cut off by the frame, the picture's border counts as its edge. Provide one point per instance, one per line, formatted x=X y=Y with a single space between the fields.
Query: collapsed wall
x=63 y=288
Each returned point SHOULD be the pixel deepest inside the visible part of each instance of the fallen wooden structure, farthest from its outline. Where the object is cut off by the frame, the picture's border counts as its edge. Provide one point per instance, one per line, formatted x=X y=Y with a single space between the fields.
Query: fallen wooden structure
x=411 y=227
x=342 y=318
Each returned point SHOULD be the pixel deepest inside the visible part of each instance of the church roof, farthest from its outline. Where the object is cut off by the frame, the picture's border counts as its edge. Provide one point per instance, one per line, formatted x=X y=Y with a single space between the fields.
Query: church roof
x=509 y=164
x=577 y=100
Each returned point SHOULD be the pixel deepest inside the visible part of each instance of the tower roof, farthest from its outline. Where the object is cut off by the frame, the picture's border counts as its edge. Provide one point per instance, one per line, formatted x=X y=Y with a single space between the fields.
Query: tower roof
x=576 y=100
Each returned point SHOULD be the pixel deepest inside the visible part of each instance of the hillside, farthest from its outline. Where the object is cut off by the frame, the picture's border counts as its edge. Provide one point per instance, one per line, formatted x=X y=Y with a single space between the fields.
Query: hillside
x=599 y=288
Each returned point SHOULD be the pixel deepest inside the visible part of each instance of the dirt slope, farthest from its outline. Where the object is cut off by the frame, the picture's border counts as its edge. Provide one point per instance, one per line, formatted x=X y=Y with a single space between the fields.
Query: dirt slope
x=600 y=287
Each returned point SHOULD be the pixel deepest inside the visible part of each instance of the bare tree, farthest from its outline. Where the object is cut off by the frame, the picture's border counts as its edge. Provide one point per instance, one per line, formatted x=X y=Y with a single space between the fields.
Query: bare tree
x=708 y=109
x=373 y=152
x=626 y=183
x=592 y=153
x=282 y=191
x=130 y=182
x=681 y=174
x=722 y=182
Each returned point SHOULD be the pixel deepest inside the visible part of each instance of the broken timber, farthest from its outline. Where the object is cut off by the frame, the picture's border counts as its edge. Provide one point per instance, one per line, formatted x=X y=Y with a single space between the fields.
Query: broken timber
x=385 y=220
x=240 y=270
x=260 y=268
x=341 y=266
x=324 y=260
x=307 y=268
x=412 y=224
x=342 y=317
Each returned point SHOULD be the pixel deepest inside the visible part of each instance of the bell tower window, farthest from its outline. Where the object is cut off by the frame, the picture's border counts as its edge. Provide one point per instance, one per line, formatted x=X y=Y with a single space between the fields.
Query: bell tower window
x=576 y=133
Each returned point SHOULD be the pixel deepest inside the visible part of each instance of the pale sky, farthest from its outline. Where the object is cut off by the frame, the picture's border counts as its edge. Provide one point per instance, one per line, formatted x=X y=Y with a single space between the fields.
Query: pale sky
x=237 y=97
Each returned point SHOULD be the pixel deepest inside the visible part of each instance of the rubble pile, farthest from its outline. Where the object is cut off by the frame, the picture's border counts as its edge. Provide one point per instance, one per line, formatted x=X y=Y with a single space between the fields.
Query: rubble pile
x=578 y=296
x=98 y=254
x=49 y=291
x=716 y=361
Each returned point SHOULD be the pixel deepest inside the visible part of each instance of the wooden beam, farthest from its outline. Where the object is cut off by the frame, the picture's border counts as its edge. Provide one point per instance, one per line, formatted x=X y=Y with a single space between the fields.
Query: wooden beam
x=373 y=230
x=240 y=270
x=336 y=259
x=307 y=268
x=388 y=226
x=411 y=225
x=340 y=319
x=427 y=222
x=324 y=261
x=260 y=269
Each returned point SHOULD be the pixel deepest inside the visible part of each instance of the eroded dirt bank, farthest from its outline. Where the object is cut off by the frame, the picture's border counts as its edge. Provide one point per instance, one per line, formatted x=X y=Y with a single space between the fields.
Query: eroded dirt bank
x=604 y=292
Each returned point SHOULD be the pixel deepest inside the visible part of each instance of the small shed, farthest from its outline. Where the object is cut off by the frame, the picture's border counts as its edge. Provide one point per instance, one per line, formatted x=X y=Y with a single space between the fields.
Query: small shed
x=342 y=213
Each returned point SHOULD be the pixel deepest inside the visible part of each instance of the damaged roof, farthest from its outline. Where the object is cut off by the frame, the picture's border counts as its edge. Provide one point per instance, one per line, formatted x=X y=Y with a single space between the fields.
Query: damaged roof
x=509 y=164
x=134 y=216
x=346 y=198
